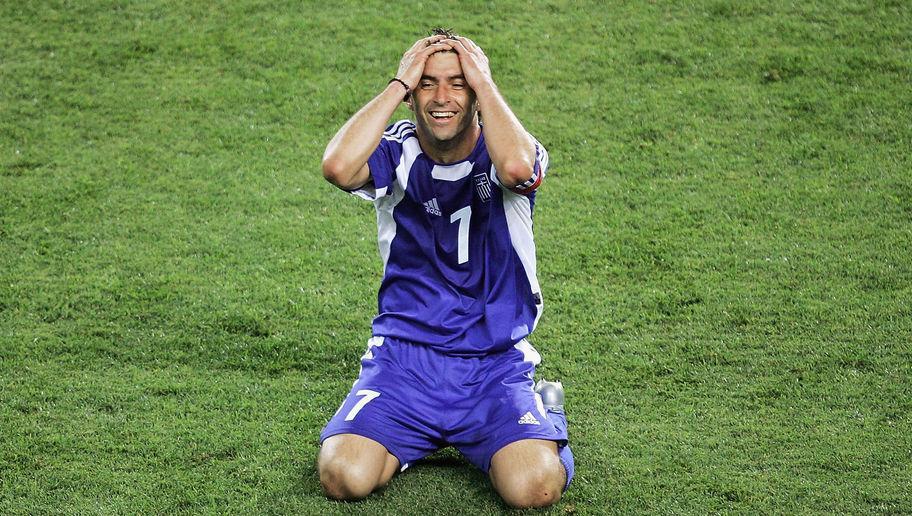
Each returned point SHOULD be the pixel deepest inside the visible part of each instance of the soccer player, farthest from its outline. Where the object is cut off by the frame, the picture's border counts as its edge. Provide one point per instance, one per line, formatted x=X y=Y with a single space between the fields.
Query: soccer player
x=448 y=363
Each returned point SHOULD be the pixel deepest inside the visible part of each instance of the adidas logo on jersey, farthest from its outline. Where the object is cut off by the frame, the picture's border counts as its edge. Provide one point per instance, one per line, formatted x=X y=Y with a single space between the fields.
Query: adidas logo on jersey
x=432 y=207
x=528 y=419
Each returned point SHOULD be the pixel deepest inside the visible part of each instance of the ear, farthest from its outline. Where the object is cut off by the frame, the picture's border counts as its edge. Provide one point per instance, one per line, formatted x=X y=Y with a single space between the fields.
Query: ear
x=408 y=101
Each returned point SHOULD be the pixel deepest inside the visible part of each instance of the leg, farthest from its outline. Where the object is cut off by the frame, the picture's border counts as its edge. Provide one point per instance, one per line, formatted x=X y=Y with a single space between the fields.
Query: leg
x=528 y=473
x=523 y=447
x=376 y=426
x=352 y=467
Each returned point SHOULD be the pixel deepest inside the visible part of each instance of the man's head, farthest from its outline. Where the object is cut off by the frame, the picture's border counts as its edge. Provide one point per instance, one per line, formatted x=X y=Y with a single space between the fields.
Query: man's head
x=445 y=107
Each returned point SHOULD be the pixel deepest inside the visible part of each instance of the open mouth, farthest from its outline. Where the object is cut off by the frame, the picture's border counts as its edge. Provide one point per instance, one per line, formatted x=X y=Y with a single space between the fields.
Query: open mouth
x=442 y=115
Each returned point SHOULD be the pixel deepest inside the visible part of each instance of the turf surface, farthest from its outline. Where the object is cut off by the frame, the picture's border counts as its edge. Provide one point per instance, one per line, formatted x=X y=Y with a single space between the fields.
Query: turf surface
x=724 y=245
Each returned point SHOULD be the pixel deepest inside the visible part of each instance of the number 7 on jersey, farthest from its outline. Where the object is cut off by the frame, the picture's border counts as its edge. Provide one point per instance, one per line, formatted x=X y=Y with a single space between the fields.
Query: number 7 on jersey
x=464 y=216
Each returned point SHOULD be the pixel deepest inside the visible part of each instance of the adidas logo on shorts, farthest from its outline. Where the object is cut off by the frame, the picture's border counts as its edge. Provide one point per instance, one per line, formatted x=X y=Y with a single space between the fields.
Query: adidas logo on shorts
x=528 y=419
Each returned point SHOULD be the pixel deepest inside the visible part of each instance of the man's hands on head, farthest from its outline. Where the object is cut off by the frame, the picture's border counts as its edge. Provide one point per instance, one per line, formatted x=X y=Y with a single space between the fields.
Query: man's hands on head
x=510 y=146
x=411 y=67
x=473 y=60
x=474 y=63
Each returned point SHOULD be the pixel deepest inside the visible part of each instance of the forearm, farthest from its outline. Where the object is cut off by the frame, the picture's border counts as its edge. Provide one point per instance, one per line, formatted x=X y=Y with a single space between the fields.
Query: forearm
x=511 y=148
x=345 y=158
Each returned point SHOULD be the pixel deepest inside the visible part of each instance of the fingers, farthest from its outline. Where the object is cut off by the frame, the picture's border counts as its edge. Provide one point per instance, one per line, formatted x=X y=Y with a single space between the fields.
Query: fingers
x=474 y=62
x=412 y=63
x=424 y=42
x=439 y=42
x=470 y=45
x=437 y=46
x=466 y=47
x=422 y=54
x=458 y=46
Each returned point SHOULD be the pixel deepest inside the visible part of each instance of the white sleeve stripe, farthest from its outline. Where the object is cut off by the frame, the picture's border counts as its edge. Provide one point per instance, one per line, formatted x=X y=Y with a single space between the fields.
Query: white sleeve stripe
x=399 y=138
x=542 y=156
x=400 y=131
x=397 y=127
x=529 y=183
x=386 y=223
x=518 y=211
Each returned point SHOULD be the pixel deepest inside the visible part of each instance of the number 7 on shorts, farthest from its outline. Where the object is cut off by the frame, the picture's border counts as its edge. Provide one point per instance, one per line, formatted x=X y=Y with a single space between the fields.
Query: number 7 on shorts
x=368 y=395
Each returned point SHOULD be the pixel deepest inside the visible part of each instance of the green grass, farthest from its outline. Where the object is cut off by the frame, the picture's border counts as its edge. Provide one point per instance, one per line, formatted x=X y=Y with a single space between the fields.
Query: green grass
x=724 y=238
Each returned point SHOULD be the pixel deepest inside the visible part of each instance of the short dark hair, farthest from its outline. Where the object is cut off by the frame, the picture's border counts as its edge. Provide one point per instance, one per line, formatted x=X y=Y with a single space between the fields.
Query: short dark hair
x=441 y=31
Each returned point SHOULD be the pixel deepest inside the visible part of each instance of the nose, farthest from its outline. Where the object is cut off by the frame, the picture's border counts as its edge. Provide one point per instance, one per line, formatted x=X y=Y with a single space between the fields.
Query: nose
x=441 y=94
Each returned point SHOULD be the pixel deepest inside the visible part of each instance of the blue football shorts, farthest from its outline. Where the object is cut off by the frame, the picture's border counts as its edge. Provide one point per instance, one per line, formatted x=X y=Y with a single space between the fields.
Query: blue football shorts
x=414 y=400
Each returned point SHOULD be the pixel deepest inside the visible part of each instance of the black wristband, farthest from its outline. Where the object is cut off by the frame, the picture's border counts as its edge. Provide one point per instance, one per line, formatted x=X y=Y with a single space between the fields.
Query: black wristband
x=404 y=85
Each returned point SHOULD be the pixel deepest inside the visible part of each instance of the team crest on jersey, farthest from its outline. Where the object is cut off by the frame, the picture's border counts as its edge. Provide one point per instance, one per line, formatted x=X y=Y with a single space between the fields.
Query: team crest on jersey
x=483 y=186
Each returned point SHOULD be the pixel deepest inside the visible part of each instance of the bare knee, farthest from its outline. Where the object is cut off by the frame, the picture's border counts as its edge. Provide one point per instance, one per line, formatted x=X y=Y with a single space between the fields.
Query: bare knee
x=351 y=469
x=532 y=489
x=342 y=480
x=528 y=474
x=344 y=483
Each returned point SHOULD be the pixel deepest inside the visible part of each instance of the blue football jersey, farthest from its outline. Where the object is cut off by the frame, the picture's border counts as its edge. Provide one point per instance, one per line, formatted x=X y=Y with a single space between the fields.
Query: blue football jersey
x=459 y=270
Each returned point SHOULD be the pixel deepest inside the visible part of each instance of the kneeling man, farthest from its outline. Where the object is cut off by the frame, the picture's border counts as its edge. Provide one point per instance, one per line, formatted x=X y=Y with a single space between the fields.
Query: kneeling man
x=449 y=363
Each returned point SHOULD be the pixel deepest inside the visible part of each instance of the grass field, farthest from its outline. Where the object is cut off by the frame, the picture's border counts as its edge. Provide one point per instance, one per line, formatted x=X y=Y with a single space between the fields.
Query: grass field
x=724 y=240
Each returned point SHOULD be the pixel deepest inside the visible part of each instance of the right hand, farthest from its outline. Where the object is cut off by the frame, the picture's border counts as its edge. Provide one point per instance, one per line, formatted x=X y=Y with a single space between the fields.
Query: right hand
x=411 y=66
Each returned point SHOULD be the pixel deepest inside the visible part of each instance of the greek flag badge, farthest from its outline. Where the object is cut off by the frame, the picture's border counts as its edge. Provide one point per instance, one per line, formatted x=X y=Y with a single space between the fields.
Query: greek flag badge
x=483 y=186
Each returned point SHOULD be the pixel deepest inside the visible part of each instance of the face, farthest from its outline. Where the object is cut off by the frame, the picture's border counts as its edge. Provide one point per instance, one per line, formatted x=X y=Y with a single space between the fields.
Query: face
x=443 y=103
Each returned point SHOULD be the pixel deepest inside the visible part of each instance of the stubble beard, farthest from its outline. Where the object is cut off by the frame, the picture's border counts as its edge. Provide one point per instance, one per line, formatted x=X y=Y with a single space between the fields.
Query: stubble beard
x=447 y=144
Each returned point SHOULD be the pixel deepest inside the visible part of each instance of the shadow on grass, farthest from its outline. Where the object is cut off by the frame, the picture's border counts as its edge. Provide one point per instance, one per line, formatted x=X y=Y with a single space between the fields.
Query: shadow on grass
x=447 y=475
x=300 y=495
x=444 y=477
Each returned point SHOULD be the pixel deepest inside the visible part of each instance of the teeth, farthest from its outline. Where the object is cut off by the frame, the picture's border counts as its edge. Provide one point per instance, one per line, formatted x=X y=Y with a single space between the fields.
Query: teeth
x=443 y=114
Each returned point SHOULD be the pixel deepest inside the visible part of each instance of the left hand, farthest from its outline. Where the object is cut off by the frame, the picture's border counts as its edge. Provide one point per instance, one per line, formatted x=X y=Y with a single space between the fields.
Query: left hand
x=474 y=62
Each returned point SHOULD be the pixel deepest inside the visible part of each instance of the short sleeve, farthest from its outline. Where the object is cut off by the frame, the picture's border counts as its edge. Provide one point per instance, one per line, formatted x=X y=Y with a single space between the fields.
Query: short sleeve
x=382 y=164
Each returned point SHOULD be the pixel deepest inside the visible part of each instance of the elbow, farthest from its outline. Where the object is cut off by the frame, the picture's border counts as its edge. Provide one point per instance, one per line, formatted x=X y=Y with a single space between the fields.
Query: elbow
x=336 y=172
x=343 y=175
x=516 y=172
x=332 y=170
